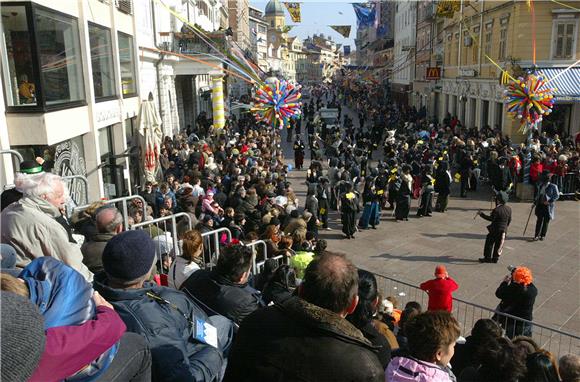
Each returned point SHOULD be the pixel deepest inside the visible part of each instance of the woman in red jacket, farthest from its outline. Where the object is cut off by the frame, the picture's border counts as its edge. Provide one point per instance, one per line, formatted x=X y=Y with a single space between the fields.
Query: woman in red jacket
x=535 y=170
x=440 y=290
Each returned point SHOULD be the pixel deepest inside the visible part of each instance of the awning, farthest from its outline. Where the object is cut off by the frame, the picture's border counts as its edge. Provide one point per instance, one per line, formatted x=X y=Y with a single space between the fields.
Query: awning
x=567 y=85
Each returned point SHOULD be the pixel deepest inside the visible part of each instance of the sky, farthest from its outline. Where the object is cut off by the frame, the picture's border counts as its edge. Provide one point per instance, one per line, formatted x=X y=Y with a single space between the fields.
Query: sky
x=317 y=15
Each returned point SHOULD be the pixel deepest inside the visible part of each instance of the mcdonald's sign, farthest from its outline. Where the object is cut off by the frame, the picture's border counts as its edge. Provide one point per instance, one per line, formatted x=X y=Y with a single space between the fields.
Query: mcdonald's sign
x=433 y=73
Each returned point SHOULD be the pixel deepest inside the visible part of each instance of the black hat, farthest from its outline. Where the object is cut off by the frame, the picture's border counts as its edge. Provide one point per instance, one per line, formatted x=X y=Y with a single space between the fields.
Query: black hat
x=30 y=167
x=129 y=255
x=22 y=337
x=546 y=175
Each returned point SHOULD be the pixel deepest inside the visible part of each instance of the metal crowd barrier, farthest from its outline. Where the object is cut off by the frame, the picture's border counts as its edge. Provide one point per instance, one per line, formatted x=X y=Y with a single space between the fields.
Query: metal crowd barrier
x=70 y=181
x=556 y=341
x=124 y=207
x=254 y=245
x=211 y=245
x=259 y=266
x=567 y=184
x=168 y=237
x=15 y=154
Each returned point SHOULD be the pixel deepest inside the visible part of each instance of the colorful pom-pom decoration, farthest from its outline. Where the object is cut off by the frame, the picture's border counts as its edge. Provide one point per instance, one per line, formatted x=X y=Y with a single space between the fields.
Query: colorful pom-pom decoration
x=277 y=102
x=528 y=100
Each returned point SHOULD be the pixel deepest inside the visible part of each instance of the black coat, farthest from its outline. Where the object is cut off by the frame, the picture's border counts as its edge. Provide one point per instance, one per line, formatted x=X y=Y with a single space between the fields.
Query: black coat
x=298 y=341
x=176 y=353
x=517 y=299
x=500 y=219
x=380 y=341
x=235 y=301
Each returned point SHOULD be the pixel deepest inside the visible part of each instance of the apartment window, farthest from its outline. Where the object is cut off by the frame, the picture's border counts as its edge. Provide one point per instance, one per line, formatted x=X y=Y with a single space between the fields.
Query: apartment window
x=503 y=33
x=102 y=62
x=488 y=37
x=565 y=39
x=127 y=62
x=59 y=55
x=42 y=61
x=20 y=77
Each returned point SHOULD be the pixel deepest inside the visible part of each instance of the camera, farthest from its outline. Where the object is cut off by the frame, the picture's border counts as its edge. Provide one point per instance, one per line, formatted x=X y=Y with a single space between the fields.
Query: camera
x=511 y=268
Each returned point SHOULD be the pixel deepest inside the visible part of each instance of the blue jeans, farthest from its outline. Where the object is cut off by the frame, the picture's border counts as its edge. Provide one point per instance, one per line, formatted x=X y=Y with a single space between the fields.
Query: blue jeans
x=371 y=214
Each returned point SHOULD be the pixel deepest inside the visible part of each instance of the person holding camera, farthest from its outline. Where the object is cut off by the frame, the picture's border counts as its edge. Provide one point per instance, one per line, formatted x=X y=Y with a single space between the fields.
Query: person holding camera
x=500 y=219
x=518 y=295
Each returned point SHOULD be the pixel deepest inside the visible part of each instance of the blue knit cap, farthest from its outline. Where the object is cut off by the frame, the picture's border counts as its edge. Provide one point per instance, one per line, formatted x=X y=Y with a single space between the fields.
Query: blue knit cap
x=129 y=255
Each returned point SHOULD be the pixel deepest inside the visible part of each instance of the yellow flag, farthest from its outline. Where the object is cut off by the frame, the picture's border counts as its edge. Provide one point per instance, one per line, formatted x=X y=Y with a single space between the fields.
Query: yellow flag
x=294 y=11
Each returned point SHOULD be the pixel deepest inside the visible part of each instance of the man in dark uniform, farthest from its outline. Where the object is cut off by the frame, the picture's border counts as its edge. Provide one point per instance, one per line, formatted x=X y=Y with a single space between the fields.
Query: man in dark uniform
x=502 y=178
x=500 y=219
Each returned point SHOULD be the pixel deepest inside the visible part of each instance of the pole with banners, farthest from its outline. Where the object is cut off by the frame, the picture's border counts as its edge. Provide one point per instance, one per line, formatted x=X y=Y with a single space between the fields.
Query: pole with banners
x=217 y=100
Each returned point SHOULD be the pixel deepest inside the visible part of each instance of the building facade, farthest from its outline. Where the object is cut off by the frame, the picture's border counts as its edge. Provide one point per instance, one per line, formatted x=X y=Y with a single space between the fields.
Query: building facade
x=403 y=72
x=259 y=38
x=71 y=90
x=471 y=87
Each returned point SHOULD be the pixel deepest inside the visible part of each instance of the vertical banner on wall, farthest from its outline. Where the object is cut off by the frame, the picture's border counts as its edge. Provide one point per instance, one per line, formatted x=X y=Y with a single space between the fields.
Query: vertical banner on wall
x=217 y=100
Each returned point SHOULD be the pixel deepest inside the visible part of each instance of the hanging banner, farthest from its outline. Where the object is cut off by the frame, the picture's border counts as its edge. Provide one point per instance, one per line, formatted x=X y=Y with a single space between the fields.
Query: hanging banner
x=294 y=11
x=346 y=50
x=365 y=13
x=344 y=30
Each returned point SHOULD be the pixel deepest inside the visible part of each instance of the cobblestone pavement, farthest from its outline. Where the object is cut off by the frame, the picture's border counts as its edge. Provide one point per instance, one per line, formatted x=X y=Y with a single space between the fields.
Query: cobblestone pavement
x=409 y=251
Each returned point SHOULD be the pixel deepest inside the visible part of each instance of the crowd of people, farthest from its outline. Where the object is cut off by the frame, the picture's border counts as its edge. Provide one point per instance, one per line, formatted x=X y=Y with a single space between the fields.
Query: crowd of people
x=139 y=307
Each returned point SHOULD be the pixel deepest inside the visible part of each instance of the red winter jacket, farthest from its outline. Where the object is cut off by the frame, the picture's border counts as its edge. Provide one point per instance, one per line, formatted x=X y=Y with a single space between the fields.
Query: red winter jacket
x=439 y=291
x=535 y=171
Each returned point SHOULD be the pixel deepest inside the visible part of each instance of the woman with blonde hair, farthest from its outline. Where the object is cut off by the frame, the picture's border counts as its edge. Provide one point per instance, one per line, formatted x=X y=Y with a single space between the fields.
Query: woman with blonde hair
x=191 y=259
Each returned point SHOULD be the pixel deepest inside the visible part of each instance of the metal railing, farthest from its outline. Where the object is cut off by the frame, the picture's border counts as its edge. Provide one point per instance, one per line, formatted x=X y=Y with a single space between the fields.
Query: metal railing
x=467 y=313
x=254 y=245
x=259 y=266
x=124 y=207
x=167 y=229
x=567 y=184
x=211 y=245
x=73 y=189
x=15 y=154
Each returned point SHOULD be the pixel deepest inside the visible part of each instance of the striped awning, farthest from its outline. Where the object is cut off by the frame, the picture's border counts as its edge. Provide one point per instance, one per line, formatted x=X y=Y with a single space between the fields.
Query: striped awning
x=567 y=85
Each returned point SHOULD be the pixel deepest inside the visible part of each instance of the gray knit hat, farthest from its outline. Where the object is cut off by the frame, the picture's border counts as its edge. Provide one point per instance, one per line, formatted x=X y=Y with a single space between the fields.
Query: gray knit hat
x=22 y=337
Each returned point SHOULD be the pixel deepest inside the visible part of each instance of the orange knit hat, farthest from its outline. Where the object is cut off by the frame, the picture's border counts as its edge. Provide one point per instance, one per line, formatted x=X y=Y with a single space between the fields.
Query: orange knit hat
x=523 y=275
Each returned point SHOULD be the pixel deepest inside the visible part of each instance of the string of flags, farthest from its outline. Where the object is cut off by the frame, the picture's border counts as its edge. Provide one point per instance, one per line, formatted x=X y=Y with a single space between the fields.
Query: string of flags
x=343 y=30
x=294 y=11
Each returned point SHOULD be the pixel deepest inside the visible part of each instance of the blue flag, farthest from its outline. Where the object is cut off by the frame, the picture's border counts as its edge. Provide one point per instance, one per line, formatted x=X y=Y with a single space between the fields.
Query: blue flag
x=365 y=13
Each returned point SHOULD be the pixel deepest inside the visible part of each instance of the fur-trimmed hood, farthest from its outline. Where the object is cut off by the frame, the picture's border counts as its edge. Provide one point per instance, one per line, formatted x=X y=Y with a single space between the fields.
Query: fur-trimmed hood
x=323 y=319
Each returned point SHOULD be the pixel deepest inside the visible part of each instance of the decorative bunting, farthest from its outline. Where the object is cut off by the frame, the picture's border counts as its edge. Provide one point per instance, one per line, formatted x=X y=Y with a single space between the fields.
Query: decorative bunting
x=344 y=30
x=365 y=13
x=447 y=8
x=287 y=28
x=294 y=11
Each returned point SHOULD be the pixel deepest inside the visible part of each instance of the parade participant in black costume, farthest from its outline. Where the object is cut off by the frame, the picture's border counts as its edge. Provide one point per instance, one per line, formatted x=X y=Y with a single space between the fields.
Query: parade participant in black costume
x=443 y=182
x=323 y=201
x=425 y=208
x=502 y=178
x=404 y=194
x=500 y=219
x=349 y=208
x=465 y=169
x=298 y=153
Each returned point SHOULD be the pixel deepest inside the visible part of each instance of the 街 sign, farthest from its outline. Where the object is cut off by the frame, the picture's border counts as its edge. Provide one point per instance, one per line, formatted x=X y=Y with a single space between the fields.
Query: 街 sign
x=344 y=30
x=294 y=11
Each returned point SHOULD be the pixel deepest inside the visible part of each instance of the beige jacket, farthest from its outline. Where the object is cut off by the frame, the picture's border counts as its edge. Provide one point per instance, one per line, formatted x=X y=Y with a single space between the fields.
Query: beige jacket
x=30 y=227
